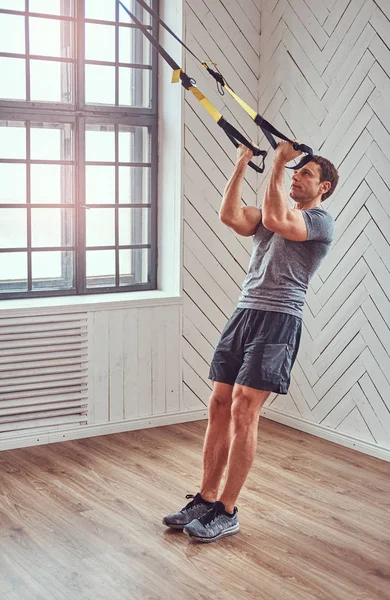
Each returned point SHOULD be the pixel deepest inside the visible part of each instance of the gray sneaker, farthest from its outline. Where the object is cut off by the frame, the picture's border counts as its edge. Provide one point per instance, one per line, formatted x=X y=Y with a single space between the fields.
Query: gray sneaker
x=194 y=509
x=213 y=525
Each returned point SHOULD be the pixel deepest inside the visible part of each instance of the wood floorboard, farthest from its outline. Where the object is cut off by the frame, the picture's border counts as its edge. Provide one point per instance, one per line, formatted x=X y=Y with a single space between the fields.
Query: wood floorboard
x=81 y=520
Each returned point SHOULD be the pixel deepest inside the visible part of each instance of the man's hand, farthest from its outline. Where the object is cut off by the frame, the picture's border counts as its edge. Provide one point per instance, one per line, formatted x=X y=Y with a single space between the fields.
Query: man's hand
x=244 y=154
x=284 y=152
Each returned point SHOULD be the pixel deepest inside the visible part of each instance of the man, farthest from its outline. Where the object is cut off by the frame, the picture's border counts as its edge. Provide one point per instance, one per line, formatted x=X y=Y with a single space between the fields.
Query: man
x=259 y=344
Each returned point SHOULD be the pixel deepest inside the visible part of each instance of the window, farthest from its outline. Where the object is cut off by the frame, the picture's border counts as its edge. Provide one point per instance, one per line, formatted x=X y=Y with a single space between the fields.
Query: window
x=78 y=148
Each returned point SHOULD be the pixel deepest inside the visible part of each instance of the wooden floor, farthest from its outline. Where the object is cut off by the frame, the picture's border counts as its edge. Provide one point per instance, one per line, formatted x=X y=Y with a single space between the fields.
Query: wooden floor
x=82 y=520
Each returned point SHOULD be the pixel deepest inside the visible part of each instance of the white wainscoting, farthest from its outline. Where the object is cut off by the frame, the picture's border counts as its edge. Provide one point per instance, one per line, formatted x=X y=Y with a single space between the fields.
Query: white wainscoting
x=67 y=374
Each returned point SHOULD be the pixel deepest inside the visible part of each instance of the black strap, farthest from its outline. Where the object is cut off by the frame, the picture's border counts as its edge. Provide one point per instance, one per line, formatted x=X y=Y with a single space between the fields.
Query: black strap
x=173 y=64
x=269 y=131
x=237 y=138
x=187 y=82
x=266 y=127
x=234 y=135
x=152 y=12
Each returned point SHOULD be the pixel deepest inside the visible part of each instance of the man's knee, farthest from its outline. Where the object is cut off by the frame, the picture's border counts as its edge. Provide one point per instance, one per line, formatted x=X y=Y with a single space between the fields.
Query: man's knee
x=246 y=406
x=220 y=401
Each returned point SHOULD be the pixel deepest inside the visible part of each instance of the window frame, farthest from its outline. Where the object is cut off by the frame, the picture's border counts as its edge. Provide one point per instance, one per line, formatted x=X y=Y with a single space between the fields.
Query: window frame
x=80 y=114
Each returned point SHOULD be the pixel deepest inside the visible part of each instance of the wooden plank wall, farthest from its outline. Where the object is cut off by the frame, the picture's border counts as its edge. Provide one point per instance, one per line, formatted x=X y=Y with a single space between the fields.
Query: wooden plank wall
x=134 y=357
x=323 y=77
x=215 y=259
x=125 y=372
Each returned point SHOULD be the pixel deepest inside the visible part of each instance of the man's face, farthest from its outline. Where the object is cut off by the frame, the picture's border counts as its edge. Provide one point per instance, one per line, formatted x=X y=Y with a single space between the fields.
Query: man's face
x=305 y=183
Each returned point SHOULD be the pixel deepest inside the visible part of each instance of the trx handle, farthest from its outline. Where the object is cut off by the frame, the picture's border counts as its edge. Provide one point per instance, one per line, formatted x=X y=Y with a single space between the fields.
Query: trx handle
x=269 y=131
x=266 y=127
x=236 y=138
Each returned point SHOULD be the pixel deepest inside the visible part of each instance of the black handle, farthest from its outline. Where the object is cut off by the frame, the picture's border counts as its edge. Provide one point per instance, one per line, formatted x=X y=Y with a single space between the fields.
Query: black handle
x=237 y=138
x=251 y=163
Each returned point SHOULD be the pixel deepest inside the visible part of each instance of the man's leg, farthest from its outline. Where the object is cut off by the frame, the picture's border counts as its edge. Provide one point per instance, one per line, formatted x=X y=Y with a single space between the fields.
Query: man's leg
x=217 y=440
x=246 y=406
x=215 y=453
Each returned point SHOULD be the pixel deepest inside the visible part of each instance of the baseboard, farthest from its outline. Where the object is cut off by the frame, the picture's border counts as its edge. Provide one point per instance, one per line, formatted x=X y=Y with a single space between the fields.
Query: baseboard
x=49 y=437
x=327 y=434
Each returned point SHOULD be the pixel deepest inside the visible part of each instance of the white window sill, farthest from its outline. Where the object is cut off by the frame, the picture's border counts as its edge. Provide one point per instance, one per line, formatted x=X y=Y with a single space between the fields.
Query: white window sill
x=93 y=302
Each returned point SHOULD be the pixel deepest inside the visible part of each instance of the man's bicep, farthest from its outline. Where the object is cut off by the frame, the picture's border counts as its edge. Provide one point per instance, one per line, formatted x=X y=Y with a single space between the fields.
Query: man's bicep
x=293 y=227
x=246 y=222
x=251 y=218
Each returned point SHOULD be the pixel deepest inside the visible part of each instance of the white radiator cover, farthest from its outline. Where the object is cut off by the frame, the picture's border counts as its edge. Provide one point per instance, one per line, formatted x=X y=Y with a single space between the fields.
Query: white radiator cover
x=68 y=374
x=43 y=372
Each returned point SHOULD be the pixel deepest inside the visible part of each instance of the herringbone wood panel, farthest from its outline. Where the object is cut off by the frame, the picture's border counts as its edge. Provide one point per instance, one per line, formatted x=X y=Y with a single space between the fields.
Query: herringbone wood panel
x=321 y=73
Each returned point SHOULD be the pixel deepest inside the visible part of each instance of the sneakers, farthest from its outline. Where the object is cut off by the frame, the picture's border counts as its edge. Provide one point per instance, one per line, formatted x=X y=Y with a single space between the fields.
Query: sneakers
x=213 y=525
x=194 y=509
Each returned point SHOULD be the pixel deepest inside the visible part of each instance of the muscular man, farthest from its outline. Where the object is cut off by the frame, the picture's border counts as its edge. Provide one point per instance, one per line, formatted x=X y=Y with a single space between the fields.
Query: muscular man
x=259 y=344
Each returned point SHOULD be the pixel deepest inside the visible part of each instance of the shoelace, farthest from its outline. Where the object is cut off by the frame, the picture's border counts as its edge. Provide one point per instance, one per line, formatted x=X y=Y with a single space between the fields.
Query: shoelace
x=192 y=503
x=211 y=514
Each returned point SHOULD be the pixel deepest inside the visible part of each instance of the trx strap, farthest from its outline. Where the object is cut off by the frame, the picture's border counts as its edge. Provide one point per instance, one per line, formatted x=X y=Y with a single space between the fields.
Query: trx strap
x=189 y=84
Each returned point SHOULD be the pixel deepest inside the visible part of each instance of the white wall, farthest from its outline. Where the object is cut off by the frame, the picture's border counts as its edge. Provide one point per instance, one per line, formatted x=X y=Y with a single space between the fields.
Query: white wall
x=76 y=371
x=335 y=100
x=323 y=77
x=215 y=259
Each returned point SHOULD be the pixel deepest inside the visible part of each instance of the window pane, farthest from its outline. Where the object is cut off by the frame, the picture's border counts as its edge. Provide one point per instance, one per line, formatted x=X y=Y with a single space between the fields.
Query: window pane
x=12 y=36
x=51 y=81
x=13 y=183
x=99 y=42
x=100 y=9
x=51 y=184
x=105 y=11
x=134 y=144
x=134 y=47
x=52 y=7
x=13 y=227
x=13 y=4
x=49 y=37
x=100 y=268
x=134 y=266
x=100 y=185
x=51 y=227
x=52 y=270
x=134 y=185
x=99 y=84
x=51 y=141
x=13 y=78
x=100 y=144
x=12 y=139
x=13 y=271
x=134 y=226
x=136 y=9
x=100 y=227
x=135 y=87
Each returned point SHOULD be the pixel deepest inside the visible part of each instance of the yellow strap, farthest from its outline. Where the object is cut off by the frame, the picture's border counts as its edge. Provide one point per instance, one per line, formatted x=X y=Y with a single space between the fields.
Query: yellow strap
x=176 y=76
x=252 y=113
x=206 y=103
x=199 y=96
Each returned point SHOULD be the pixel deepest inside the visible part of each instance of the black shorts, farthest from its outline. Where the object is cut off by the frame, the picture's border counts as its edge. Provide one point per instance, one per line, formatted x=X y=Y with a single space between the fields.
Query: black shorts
x=257 y=348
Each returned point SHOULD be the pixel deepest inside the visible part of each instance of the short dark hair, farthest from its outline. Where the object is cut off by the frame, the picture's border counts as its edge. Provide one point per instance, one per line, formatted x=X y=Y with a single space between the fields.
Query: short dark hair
x=328 y=173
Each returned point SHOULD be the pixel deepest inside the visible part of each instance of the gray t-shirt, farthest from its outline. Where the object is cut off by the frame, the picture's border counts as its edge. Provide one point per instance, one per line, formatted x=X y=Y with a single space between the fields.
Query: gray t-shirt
x=280 y=269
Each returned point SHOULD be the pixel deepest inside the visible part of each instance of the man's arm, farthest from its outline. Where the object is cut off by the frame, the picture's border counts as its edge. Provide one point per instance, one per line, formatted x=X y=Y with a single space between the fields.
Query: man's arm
x=278 y=216
x=244 y=220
